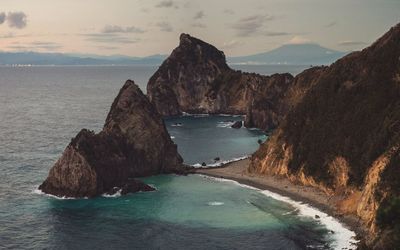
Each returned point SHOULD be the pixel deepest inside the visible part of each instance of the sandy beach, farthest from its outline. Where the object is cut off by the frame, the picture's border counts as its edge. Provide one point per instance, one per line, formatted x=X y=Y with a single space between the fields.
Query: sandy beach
x=237 y=171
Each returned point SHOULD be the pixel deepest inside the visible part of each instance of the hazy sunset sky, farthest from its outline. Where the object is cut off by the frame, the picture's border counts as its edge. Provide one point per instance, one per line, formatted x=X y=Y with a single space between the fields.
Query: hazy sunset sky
x=146 y=27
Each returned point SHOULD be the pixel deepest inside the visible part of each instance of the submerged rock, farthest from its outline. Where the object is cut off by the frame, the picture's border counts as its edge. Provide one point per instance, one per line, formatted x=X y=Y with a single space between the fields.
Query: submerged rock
x=133 y=143
x=237 y=124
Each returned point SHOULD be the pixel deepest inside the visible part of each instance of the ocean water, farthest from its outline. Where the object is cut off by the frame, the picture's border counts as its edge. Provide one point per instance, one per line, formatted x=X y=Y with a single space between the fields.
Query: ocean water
x=212 y=137
x=42 y=108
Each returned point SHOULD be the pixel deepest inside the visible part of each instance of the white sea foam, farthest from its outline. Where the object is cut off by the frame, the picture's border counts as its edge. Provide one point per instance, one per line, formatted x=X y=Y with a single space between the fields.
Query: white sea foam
x=253 y=128
x=36 y=190
x=215 y=203
x=177 y=125
x=220 y=163
x=343 y=238
x=227 y=124
x=195 y=115
x=115 y=195
x=172 y=137
x=229 y=115
x=228 y=180
x=205 y=115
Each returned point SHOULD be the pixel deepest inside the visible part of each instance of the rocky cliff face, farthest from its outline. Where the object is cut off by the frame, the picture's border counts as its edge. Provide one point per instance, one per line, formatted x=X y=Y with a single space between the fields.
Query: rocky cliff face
x=134 y=142
x=196 y=79
x=343 y=135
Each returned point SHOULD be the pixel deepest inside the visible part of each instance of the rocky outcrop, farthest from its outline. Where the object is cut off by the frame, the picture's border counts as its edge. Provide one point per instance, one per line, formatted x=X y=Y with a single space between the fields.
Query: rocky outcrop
x=133 y=143
x=343 y=133
x=237 y=124
x=196 y=79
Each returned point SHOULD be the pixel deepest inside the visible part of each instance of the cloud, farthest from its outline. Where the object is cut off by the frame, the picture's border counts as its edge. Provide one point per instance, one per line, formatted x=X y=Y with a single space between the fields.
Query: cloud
x=109 y=38
x=231 y=44
x=46 y=45
x=298 y=40
x=251 y=25
x=165 y=26
x=9 y=35
x=167 y=4
x=198 y=15
x=107 y=47
x=12 y=35
x=119 y=29
x=16 y=20
x=50 y=46
x=2 y=17
x=199 y=25
x=276 y=33
x=351 y=43
x=329 y=25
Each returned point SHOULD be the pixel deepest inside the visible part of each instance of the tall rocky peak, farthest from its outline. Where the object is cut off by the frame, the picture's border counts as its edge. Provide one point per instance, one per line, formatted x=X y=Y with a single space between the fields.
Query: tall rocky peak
x=343 y=136
x=196 y=51
x=196 y=79
x=134 y=142
x=182 y=81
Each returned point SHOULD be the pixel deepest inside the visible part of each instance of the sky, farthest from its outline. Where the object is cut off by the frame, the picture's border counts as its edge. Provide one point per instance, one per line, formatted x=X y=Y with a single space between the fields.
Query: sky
x=147 y=27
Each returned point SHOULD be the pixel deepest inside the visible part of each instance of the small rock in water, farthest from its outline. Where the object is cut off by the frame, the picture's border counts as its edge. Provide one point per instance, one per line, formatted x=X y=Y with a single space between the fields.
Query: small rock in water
x=317 y=216
x=203 y=164
x=260 y=141
x=133 y=186
x=217 y=159
x=237 y=124
x=113 y=191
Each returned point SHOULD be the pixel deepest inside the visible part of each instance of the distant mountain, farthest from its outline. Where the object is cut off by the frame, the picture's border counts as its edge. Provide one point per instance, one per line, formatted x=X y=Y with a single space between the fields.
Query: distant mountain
x=294 y=54
x=35 y=58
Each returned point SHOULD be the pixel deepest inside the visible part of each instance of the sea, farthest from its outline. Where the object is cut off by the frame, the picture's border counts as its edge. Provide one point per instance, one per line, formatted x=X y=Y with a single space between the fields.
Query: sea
x=42 y=108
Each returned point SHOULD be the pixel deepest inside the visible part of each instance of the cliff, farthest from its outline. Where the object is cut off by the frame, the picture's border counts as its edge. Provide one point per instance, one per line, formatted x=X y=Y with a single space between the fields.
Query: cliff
x=133 y=143
x=196 y=79
x=342 y=135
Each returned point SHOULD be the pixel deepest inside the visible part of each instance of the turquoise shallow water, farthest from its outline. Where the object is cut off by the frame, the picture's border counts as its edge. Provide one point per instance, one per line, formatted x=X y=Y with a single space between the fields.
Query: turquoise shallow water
x=185 y=212
x=41 y=109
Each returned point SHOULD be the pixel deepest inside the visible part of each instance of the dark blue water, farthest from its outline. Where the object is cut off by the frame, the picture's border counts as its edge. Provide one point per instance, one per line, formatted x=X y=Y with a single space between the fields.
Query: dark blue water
x=211 y=137
x=42 y=108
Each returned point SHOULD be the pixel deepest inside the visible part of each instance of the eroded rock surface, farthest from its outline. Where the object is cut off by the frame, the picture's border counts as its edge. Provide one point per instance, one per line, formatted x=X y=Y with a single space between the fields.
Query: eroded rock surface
x=343 y=135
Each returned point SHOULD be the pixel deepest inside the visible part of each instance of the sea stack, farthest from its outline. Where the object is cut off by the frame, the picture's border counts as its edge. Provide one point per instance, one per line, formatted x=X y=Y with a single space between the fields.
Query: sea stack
x=133 y=143
x=195 y=78
x=343 y=136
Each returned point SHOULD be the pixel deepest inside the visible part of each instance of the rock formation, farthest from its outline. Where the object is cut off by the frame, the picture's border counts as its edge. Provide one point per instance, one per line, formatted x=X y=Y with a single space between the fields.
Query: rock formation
x=133 y=143
x=196 y=79
x=237 y=124
x=342 y=135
